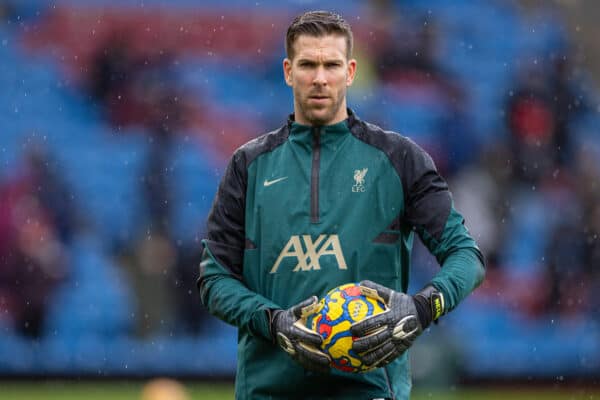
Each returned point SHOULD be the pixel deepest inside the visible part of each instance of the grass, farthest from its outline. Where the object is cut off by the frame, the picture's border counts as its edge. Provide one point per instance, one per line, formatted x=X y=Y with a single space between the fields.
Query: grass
x=512 y=394
x=221 y=391
x=102 y=391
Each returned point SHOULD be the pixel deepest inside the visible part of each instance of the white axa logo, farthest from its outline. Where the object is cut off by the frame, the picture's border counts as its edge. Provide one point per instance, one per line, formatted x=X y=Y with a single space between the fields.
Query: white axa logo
x=324 y=245
x=359 y=180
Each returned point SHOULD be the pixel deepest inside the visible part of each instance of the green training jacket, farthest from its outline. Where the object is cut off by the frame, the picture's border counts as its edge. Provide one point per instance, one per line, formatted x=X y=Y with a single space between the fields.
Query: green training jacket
x=303 y=209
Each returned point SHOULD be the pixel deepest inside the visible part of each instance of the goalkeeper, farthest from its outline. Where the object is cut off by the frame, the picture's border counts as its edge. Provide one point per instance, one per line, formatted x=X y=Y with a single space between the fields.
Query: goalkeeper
x=324 y=200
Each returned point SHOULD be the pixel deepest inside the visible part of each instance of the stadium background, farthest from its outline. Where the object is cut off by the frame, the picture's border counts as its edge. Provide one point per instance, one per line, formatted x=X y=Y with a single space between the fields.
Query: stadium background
x=117 y=118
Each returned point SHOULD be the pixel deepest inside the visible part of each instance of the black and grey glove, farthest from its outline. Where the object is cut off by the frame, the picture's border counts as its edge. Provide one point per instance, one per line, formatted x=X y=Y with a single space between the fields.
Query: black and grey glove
x=292 y=335
x=383 y=337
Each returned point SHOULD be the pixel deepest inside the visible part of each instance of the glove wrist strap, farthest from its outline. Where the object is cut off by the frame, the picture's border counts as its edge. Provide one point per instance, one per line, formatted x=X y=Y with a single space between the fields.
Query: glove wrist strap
x=272 y=314
x=430 y=305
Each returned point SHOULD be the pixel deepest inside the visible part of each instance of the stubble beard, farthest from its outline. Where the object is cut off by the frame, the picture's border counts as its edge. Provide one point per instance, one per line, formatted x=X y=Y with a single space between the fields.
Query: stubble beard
x=317 y=118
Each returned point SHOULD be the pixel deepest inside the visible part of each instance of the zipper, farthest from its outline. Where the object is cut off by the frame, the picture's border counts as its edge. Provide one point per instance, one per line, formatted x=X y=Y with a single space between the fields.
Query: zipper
x=314 y=176
x=389 y=384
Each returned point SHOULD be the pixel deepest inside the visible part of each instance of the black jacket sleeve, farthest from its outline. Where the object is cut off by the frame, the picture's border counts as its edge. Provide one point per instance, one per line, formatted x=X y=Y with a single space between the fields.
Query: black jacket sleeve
x=429 y=210
x=221 y=285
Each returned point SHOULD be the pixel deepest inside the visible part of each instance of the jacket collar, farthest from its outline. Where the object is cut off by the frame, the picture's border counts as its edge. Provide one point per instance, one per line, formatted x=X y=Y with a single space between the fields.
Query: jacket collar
x=351 y=121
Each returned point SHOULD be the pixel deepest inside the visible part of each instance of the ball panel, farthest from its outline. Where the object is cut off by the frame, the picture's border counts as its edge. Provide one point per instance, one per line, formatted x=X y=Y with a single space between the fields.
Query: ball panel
x=334 y=306
x=336 y=329
x=359 y=308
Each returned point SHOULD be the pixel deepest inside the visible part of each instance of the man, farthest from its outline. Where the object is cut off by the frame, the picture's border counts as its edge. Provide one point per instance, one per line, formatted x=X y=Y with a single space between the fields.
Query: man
x=325 y=200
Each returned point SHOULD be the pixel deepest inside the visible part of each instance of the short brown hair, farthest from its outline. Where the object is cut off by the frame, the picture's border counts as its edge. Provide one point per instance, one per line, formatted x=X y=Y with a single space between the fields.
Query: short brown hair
x=318 y=23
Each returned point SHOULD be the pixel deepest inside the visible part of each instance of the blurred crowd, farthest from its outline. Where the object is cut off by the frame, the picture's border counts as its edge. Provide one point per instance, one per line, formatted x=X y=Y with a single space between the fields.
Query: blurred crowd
x=37 y=221
x=529 y=190
x=539 y=197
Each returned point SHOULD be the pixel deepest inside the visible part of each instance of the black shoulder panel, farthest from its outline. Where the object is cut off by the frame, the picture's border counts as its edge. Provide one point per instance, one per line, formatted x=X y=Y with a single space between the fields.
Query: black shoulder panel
x=426 y=196
x=263 y=144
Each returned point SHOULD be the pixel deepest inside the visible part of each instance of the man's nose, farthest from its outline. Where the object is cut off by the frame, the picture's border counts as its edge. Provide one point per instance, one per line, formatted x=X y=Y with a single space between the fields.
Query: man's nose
x=320 y=77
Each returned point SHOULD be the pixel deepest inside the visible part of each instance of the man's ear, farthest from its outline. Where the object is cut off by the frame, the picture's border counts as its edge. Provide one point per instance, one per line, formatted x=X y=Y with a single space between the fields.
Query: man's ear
x=351 y=72
x=287 y=71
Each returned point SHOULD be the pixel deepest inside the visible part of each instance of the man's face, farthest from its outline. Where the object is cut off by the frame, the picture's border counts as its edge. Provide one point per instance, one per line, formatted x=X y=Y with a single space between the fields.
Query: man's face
x=319 y=74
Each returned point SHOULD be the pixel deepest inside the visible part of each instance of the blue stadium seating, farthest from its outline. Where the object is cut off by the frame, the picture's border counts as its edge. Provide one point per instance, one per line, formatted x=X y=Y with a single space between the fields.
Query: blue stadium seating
x=89 y=322
x=195 y=178
x=96 y=300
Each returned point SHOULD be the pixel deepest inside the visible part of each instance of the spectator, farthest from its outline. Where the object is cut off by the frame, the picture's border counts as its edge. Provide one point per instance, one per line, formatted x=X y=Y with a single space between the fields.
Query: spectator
x=408 y=58
x=35 y=222
x=540 y=111
x=407 y=66
x=53 y=192
x=135 y=87
x=191 y=316
x=151 y=258
x=112 y=68
x=156 y=191
x=568 y=104
x=150 y=262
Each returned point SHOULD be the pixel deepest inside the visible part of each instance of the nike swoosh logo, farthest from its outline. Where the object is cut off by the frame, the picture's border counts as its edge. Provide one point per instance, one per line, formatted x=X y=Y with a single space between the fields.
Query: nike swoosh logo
x=269 y=183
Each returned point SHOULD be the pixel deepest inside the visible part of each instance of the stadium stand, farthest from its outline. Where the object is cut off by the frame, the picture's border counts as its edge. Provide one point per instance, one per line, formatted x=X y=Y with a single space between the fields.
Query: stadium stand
x=226 y=57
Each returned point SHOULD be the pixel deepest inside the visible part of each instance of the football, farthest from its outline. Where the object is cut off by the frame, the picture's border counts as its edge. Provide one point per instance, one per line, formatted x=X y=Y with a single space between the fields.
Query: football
x=337 y=311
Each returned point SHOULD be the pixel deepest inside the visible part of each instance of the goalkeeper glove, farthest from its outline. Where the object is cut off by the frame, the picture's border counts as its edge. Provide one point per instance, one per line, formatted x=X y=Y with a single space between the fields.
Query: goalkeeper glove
x=382 y=338
x=292 y=335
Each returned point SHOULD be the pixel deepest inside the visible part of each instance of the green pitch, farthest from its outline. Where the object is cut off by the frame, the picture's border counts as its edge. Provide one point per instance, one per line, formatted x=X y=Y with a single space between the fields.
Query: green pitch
x=101 y=391
x=222 y=391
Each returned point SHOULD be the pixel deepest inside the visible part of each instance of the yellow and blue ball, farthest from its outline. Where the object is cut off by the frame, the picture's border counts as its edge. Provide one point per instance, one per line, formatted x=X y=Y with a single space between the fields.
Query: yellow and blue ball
x=337 y=311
